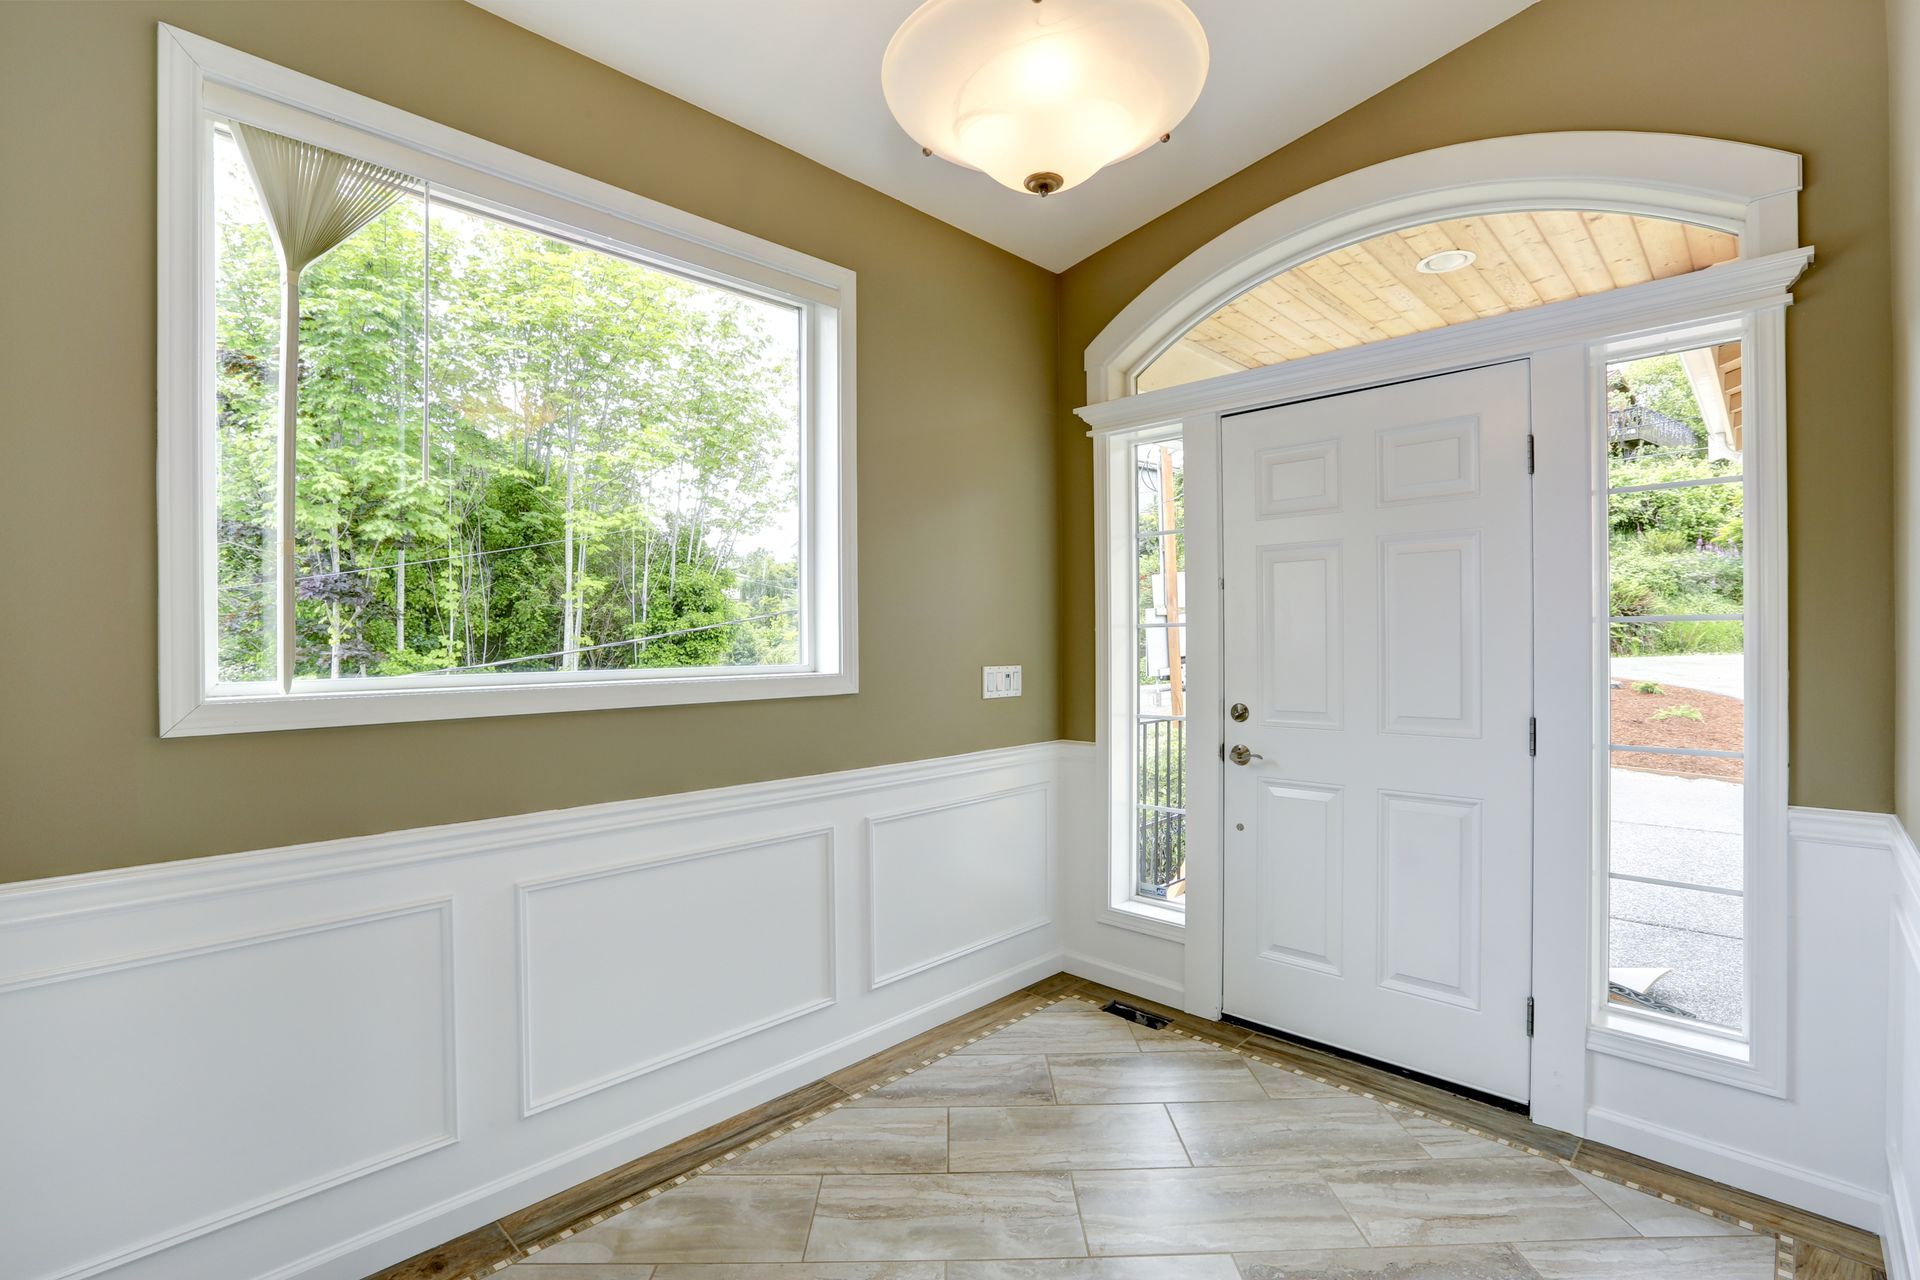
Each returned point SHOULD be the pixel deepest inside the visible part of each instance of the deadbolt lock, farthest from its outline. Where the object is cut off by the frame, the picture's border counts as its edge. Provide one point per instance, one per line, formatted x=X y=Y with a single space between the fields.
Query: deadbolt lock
x=1238 y=711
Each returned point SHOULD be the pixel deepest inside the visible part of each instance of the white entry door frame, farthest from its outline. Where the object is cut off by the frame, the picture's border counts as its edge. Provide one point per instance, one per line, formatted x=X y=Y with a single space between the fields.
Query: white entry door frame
x=1747 y=190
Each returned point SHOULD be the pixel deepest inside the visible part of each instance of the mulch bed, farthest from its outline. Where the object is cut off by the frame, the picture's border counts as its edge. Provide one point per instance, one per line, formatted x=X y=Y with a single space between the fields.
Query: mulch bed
x=1721 y=727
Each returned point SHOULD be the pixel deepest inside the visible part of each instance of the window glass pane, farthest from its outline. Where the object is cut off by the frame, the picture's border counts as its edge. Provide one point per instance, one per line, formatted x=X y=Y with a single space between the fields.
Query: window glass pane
x=1668 y=826
x=1678 y=952
x=362 y=502
x=1162 y=579
x=1162 y=654
x=1677 y=551
x=1681 y=686
x=1159 y=496
x=1675 y=417
x=246 y=424
x=1161 y=838
x=520 y=455
x=1677 y=688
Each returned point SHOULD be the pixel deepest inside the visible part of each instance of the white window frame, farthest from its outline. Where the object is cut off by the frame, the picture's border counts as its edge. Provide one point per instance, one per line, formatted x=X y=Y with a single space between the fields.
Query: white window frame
x=1755 y=1060
x=1114 y=488
x=198 y=77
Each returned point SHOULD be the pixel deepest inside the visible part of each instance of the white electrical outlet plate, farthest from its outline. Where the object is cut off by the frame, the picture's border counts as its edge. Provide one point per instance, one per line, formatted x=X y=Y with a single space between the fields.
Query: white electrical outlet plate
x=999 y=682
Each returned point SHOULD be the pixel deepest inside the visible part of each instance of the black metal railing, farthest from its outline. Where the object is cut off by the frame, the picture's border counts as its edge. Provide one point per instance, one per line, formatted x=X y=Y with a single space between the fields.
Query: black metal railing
x=1160 y=842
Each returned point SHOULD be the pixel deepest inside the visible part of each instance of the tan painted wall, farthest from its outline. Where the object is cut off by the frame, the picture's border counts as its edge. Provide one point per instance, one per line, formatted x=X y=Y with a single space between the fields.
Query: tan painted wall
x=957 y=563
x=1810 y=78
x=1903 y=45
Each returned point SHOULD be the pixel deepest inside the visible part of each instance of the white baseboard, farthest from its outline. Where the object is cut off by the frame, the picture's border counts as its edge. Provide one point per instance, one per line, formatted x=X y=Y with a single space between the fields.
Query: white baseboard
x=1121 y=978
x=1763 y=1175
x=1900 y=1238
x=315 y=1061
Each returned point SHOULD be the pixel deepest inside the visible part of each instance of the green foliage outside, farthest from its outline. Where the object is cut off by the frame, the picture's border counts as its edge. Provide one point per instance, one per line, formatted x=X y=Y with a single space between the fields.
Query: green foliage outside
x=1672 y=551
x=514 y=454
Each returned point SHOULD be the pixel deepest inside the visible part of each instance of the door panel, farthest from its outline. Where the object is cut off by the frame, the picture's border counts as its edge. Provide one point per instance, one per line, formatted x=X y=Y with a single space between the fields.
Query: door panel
x=1378 y=618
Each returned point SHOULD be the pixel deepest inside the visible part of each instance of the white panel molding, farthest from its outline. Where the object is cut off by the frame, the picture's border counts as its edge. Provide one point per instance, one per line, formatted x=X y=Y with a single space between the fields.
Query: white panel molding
x=441 y=911
x=528 y=958
x=876 y=912
x=164 y=883
x=528 y=1184
x=486 y=885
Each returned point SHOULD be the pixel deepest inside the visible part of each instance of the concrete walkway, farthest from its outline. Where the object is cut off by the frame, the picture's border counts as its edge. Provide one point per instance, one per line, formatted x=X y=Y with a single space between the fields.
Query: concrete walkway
x=1685 y=829
x=1721 y=673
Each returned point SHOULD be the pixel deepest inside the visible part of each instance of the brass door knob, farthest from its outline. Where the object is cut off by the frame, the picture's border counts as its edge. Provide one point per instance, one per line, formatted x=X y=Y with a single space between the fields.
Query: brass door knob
x=1240 y=755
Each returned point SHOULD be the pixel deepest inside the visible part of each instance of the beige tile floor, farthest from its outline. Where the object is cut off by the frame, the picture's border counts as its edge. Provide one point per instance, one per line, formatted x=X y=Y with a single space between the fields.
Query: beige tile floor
x=1071 y=1145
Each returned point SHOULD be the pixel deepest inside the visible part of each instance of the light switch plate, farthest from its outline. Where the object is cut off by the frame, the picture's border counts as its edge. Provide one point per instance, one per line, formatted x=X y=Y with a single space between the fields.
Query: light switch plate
x=999 y=682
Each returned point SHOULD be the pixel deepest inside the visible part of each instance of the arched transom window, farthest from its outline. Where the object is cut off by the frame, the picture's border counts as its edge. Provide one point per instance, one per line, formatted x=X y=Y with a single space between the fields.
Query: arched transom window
x=1431 y=276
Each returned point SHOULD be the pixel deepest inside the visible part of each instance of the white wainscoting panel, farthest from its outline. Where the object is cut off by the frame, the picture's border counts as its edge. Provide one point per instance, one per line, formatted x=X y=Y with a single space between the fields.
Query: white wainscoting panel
x=245 y=1066
x=947 y=880
x=230 y=1058
x=633 y=968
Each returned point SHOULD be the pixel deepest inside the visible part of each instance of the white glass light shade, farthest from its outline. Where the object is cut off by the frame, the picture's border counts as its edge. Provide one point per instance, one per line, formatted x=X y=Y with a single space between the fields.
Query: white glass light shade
x=1042 y=94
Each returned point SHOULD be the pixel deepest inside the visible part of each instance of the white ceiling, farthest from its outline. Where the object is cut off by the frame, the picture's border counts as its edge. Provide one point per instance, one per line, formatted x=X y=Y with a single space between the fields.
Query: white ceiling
x=806 y=73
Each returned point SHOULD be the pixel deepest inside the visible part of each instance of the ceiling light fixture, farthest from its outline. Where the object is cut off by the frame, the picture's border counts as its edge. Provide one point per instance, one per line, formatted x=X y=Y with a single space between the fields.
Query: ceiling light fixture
x=1042 y=94
x=1438 y=264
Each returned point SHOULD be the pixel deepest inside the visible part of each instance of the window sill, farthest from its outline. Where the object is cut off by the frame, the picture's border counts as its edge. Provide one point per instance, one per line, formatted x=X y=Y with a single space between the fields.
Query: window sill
x=1656 y=1043
x=241 y=713
x=1144 y=917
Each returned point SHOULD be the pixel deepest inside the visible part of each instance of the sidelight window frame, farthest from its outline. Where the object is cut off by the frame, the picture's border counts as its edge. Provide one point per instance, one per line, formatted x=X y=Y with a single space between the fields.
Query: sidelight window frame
x=200 y=81
x=1755 y=1057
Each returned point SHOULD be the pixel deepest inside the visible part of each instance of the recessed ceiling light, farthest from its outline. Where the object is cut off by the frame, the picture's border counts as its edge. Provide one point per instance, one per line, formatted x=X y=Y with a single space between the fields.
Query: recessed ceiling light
x=1438 y=264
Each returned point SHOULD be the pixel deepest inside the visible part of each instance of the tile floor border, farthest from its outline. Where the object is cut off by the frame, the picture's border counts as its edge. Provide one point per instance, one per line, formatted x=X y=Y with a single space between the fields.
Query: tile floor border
x=1051 y=993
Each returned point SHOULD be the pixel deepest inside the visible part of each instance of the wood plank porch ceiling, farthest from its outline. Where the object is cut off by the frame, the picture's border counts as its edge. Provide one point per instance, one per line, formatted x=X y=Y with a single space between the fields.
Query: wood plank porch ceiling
x=1374 y=290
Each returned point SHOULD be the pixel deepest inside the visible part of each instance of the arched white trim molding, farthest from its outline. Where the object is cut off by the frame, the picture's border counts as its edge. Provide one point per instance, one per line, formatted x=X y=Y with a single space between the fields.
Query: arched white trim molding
x=1748 y=190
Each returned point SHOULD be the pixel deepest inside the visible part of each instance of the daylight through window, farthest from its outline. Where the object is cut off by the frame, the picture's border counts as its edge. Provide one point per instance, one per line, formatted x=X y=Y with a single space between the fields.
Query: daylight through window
x=517 y=454
x=1676 y=517
x=1160 y=684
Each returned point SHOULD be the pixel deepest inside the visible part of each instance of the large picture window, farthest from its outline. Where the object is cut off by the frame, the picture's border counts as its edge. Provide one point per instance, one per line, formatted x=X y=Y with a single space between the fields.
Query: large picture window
x=472 y=446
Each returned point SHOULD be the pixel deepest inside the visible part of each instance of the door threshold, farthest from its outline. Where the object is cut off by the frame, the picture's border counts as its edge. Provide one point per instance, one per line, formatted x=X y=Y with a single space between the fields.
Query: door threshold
x=1380 y=1064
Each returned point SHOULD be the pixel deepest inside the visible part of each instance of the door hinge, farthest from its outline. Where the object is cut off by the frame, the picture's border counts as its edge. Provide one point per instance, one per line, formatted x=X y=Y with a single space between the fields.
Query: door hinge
x=1529 y=1015
x=1529 y=453
x=1533 y=735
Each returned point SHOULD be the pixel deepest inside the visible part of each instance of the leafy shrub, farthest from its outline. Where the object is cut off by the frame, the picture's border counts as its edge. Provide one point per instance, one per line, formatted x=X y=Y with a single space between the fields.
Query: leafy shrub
x=1677 y=713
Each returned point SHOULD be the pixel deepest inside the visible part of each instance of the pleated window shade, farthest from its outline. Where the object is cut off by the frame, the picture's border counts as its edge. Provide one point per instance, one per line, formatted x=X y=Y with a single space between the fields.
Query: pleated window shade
x=314 y=199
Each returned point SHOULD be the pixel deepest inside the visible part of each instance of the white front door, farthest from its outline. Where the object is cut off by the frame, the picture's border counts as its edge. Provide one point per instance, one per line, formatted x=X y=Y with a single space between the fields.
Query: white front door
x=1377 y=557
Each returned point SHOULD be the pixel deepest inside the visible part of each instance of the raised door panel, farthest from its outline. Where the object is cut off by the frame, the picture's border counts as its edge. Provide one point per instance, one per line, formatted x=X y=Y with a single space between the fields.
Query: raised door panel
x=1297 y=479
x=1431 y=461
x=1301 y=671
x=1299 y=836
x=1430 y=896
x=1430 y=642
